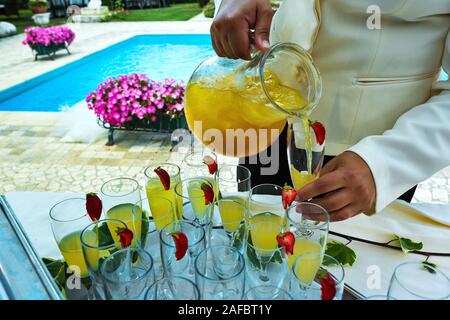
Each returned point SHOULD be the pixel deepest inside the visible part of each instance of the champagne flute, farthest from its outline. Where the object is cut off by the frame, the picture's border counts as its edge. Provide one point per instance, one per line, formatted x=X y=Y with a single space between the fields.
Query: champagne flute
x=267 y=293
x=126 y=278
x=68 y=218
x=98 y=241
x=119 y=197
x=234 y=182
x=305 y=155
x=229 y=224
x=416 y=281
x=319 y=276
x=266 y=262
x=173 y=288
x=183 y=267
x=194 y=167
x=219 y=273
x=310 y=224
x=265 y=202
x=154 y=187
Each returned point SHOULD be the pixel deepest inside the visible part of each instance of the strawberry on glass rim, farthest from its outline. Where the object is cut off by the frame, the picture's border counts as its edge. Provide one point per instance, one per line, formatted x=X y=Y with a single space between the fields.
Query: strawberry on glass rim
x=286 y=241
x=211 y=163
x=125 y=236
x=164 y=177
x=94 y=206
x=327 y=284
x=208 y=192
x=181 y=244
x=288 y=195
x=319 y=131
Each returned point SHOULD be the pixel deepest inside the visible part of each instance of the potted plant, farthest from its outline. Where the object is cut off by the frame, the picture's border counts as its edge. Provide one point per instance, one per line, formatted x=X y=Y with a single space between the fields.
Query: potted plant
x=134 y=102
x=38 y=6
x=46 y=41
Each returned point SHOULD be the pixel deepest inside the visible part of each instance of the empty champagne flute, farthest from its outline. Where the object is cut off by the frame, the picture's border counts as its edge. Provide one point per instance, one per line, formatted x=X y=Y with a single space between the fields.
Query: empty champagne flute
x=267 y=293
x=182 y=266
x=119 y=197
x=128 y=273
x=319 y=276
x=173 y=288
x=153 y=247
x=220 y=274
x=417 y=281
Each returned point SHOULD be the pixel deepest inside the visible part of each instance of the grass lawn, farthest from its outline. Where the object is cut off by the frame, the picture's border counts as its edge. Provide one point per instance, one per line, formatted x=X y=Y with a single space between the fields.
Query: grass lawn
x=177 y=12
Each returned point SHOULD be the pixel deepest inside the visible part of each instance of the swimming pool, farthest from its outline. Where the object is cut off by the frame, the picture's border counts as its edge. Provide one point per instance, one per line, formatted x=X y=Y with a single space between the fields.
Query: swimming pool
x=158 y=56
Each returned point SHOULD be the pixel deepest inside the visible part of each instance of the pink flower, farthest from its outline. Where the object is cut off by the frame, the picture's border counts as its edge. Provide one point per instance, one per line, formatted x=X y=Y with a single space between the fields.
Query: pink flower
x=121 y=99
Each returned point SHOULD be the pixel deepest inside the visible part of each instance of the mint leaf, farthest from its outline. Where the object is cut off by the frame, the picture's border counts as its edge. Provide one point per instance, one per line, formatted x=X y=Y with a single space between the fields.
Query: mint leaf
x=57 y=269
x=145 y=226
x=408 y=245
x=104 y=235
x=53 y=265
x=339 y=251
x=238 y=240
x=429 y=266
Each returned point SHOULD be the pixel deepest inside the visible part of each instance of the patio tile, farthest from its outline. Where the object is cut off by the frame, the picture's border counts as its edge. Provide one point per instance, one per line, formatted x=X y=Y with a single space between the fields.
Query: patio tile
x=136 y=149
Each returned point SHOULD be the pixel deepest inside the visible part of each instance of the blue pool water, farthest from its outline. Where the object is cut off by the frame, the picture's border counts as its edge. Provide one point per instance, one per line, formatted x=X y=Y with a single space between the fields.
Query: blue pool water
x=158 y=56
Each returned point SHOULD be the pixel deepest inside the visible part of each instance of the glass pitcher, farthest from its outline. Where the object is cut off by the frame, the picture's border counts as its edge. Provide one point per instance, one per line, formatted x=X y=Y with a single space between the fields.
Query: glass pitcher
x=239 y=108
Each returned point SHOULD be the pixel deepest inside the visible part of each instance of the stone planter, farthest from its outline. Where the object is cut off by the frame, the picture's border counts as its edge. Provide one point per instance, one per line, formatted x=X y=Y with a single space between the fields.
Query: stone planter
x=50 y=51
x=41 y=19
x=164 y=124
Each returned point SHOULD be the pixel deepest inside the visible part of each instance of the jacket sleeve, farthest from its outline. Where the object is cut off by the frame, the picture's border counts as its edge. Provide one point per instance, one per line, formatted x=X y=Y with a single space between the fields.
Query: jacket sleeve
x=415 y=148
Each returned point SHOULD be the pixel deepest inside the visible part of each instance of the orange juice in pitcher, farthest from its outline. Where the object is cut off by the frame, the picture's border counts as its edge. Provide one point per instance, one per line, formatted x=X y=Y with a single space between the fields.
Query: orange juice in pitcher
x=239 y=108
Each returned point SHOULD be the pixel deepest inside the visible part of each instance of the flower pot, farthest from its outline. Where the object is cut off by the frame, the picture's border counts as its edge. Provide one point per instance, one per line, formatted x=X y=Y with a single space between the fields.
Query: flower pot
x=163 y=124
x=39 y=9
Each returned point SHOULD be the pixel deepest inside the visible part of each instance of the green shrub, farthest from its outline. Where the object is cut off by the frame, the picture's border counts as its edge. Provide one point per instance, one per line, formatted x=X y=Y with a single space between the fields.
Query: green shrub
x=209 y=9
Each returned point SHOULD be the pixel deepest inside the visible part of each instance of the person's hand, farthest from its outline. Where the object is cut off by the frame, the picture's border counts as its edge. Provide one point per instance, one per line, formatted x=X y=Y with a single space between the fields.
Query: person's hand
x=230 y=30
x=345 y=187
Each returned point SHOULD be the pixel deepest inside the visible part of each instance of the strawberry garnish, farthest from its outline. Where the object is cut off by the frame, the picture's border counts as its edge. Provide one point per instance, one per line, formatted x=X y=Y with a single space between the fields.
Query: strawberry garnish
x=288 y=195
x=328 y=285
x=287 y=242
x=125 y=235
x=93 y=206
x=319 y=131
x=164 y=177
x=181 y=244
x=211 y=163
x=208 y=192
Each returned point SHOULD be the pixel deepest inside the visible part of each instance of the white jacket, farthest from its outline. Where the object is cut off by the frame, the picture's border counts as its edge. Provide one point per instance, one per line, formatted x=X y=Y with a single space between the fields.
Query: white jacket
x=381 y=98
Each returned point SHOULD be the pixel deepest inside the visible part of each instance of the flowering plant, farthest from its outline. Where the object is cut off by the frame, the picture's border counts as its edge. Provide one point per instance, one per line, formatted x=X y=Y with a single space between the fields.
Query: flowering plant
x=127 y=97
x=56 y=35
